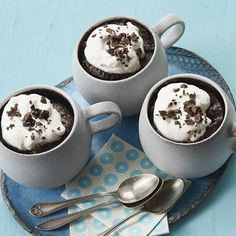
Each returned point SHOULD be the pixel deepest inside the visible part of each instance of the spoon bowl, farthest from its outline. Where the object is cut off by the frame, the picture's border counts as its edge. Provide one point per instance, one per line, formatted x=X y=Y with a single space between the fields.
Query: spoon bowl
x=137 y=188
x=160 y=202
x=131 y=190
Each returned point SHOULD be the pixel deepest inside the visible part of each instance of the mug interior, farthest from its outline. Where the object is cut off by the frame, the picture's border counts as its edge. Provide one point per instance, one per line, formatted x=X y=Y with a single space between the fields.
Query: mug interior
x=56 y=98
x=112 y=77
x=192 y=81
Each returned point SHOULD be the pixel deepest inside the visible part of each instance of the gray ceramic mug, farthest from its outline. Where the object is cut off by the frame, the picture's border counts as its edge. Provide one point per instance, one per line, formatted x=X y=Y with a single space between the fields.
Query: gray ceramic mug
x=60 y=164
x=129 y=93
x=189 y=160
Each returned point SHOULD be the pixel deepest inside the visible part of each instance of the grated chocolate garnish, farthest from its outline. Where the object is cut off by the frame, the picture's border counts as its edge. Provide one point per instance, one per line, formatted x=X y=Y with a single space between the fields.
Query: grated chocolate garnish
x=118 y=45
x=176 y=90
x=189 y=122
x=28 y=120
x=183 y=86
x=192 y=96
x=43 y=100
x=14 y=111
x=138 y=52
x=10 y=126
x=178 y=123
x=32 y=136
x=171 y=114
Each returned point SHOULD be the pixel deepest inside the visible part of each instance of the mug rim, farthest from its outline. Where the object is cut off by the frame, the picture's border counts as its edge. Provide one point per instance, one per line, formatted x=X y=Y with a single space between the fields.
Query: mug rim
x=194 y=77
x=61 y=93
x=151 y=30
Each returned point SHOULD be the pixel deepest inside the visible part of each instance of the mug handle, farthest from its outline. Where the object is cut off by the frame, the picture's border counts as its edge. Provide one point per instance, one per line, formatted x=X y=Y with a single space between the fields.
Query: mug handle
x=100 y=109
x=175 y=27
x=233 y=134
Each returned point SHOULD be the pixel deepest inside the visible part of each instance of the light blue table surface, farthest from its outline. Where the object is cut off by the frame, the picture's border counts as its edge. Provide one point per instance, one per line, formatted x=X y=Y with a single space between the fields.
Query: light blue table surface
x=37 y=39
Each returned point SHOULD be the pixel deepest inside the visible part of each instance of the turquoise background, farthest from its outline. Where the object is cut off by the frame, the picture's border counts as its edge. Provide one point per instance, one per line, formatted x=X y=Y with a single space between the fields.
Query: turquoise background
x=37 y=39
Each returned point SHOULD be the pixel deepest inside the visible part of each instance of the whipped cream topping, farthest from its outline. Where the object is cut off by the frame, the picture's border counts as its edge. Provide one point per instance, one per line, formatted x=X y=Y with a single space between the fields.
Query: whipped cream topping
x=115 y=48
x=30 y=120
x=180 y=112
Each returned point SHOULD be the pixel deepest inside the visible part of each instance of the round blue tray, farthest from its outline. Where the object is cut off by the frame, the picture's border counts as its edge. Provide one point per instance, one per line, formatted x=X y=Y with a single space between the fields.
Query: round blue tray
x=19 y=198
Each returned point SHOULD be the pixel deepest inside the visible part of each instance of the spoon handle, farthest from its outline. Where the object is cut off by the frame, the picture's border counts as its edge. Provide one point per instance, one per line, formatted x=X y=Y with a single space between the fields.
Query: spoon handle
x=114 y=227
x=44 y=209
x=56 y=223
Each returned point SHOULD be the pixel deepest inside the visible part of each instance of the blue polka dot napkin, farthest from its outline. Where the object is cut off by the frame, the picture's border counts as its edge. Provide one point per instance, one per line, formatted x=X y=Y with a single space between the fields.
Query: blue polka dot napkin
x=115 y=162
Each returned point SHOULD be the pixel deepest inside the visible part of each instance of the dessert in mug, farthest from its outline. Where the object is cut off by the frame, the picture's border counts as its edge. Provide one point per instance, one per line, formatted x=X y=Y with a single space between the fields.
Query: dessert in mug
x=35 y=122
x=116 y=49
x=184 y=112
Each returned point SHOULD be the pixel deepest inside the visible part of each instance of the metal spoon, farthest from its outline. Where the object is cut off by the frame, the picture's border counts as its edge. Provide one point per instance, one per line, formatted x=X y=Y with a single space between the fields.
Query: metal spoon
x=56 y=223
x=131 y=190
x=160 y=203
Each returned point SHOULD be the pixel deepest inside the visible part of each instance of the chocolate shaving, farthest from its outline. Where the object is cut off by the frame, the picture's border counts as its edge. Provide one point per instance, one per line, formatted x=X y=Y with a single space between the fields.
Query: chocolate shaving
x=183 y=86
x=134 y=37
x=28 y=120
x=163 y=113
x=171 y=114
x=178 y=123
x=44 y=138
x=38 y=113
x=192 y=96
x=43 y=100
x=94 y=35
x=110 y=31
x=138 y=52
x=44 y=115
x=38 y=123
x=14 y=111
x=40 y=130
x=193 y=111
x=10 y=126
x=176 y=90
x=32 y=136
x=118 y=45
x=198 y=118
x=58 y=128
x=189 y=122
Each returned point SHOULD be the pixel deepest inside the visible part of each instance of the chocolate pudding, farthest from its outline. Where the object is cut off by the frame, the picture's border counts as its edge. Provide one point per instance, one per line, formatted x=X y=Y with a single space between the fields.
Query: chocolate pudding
x=35 y=129
x=118 y=44
x=186 y=111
